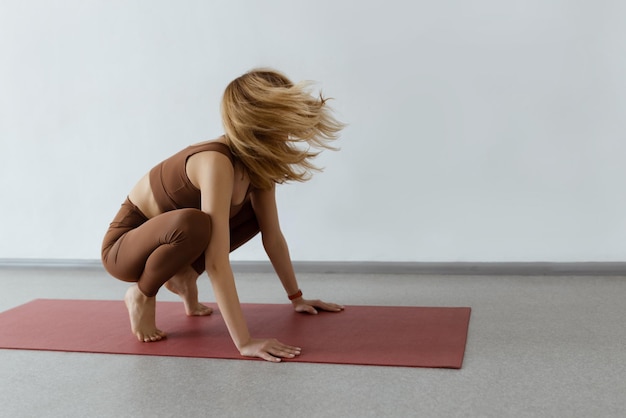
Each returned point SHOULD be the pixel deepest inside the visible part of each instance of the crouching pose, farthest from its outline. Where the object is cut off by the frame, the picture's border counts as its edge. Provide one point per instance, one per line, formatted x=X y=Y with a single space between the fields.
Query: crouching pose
x=190 y=211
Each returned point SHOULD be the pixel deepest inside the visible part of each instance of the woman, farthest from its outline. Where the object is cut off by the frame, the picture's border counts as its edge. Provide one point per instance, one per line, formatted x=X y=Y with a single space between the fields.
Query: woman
x=191 y=210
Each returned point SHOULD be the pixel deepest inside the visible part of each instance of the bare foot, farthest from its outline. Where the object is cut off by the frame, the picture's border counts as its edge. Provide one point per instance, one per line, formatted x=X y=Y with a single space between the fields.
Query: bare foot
x=142 y=312
x=184 y=285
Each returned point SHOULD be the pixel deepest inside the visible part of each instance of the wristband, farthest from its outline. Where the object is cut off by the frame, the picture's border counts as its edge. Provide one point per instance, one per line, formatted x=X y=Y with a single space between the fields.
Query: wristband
x=296 y=295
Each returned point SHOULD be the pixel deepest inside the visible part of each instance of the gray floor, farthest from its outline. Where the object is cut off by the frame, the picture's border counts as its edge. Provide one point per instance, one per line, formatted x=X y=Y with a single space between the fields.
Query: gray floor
x=549 y=346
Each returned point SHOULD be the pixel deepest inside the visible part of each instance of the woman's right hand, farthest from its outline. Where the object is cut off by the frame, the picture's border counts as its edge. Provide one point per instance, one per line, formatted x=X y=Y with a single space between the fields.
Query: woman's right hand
x=269 y=349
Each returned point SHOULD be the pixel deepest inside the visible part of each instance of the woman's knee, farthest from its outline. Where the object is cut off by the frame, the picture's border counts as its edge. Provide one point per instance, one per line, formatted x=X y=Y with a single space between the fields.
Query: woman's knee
x=193 y=225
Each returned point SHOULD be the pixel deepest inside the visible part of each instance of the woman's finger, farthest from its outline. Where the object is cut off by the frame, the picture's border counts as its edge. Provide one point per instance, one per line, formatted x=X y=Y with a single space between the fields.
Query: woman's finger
x=268 y=357
x=328 y=306
x=283 y=350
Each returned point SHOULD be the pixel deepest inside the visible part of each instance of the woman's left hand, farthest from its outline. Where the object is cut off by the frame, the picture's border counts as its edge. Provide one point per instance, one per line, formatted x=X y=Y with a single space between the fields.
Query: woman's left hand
x=308 y=306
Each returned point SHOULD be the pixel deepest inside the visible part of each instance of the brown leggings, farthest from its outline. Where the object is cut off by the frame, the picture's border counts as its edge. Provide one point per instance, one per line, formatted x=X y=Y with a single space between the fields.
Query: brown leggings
x=151 y=251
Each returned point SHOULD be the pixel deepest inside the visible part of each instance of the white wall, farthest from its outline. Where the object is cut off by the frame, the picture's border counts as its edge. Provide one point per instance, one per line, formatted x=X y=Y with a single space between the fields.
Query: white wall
x=479 y=131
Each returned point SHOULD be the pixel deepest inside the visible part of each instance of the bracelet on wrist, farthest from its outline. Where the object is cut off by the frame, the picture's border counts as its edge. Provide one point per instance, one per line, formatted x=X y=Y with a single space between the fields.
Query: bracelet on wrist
x=296 y=295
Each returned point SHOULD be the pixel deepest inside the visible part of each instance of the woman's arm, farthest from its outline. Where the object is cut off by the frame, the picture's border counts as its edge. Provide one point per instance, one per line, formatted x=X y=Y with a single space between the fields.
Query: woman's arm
x=264 y=205
x=212 y=172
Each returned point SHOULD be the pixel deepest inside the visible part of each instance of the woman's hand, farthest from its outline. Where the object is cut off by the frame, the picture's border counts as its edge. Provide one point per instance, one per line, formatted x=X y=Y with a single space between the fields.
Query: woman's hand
x=269 y=349
x=308 y=306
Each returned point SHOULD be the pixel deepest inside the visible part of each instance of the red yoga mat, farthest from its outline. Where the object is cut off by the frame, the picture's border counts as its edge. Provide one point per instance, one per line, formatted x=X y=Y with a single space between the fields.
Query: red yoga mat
x=365 y=335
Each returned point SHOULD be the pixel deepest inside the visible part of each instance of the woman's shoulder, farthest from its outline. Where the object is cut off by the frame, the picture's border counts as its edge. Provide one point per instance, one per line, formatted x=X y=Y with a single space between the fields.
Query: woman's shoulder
x=219 y=145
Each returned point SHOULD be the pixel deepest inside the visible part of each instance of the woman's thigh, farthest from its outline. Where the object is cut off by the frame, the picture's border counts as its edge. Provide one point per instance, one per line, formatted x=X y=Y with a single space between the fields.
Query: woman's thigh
x=162 y=244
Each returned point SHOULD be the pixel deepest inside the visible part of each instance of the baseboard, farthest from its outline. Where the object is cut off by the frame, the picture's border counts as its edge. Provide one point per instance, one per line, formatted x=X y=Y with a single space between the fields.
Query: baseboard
x=374 y=267
x=444 y=268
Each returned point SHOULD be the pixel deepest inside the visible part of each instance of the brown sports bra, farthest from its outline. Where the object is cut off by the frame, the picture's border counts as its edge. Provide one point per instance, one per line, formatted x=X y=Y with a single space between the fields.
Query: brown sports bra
x=171 y=187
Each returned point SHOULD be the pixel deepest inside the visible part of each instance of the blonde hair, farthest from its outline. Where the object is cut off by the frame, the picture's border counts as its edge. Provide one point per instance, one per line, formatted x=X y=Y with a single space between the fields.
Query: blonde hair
x=275 y=127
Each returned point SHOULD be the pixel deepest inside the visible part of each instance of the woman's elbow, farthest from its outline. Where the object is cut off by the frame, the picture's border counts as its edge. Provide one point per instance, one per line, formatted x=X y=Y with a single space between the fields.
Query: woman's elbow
x=216 y=266
x=273 y=241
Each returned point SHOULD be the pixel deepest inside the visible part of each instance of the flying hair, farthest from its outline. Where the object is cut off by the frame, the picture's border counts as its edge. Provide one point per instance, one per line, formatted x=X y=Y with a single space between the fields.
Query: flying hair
x=275 y=127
